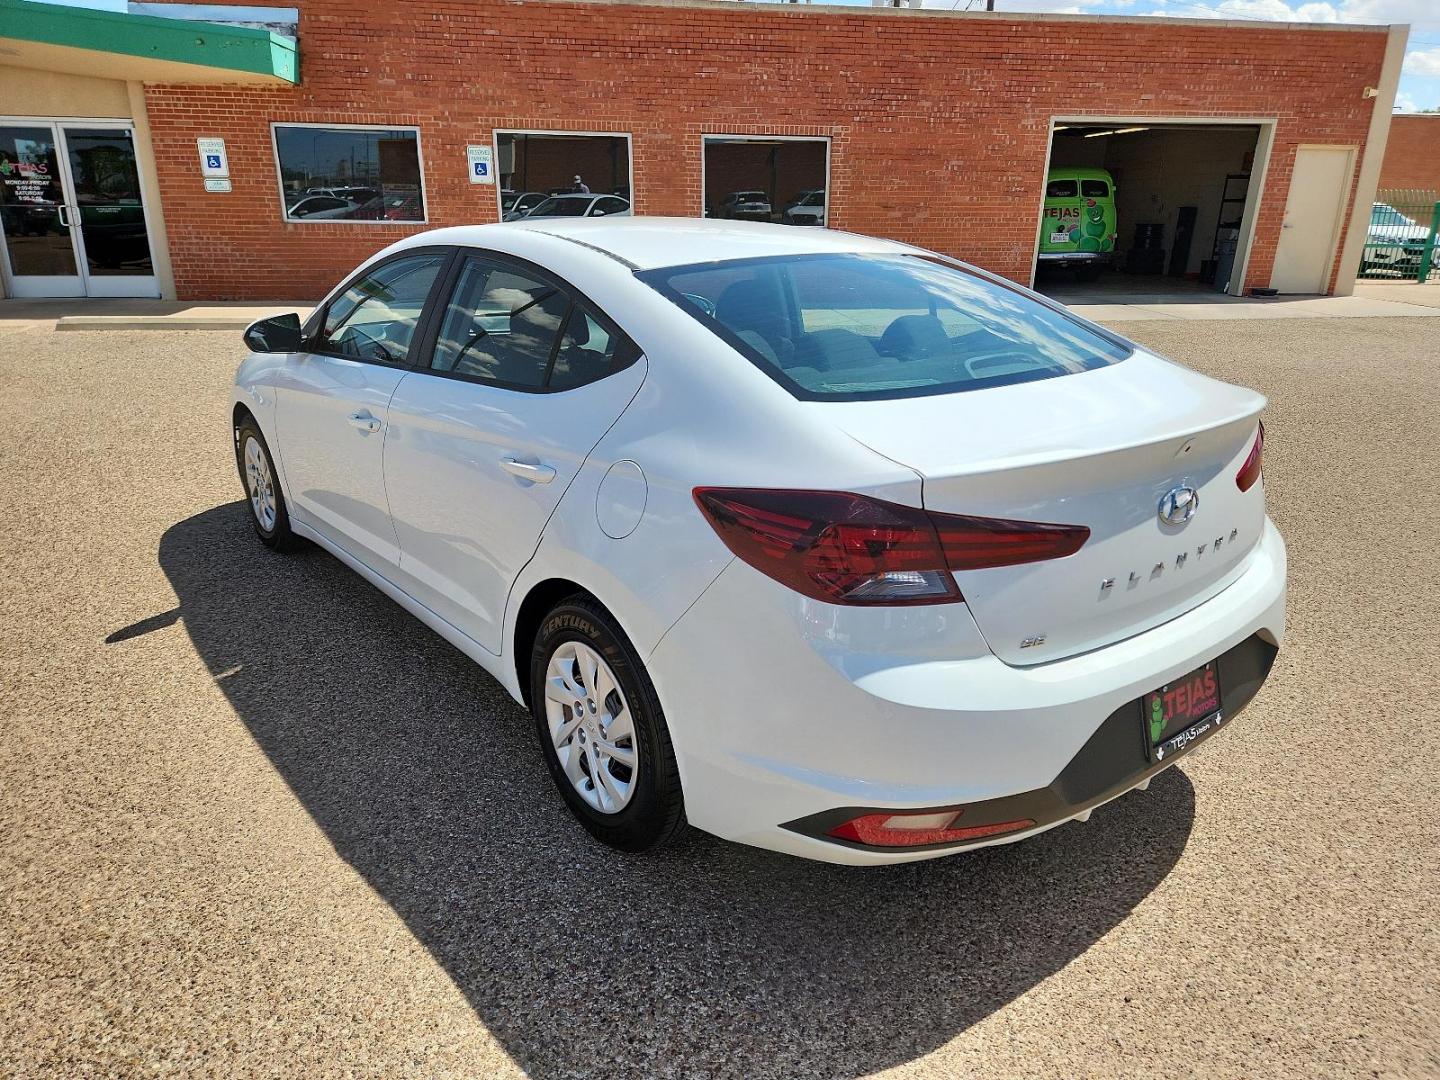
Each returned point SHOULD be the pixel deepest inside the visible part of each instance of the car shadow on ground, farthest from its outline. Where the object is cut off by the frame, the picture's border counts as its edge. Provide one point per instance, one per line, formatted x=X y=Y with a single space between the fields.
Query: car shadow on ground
x=427 y=779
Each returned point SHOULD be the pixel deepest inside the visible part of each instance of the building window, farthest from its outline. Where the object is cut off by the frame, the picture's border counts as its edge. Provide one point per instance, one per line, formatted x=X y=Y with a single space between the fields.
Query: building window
x=766 y=178
x=349 y=173
x=536 y=167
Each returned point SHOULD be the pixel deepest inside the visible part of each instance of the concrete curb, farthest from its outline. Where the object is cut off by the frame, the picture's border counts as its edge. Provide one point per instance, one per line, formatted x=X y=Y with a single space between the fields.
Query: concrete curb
x=151 y=322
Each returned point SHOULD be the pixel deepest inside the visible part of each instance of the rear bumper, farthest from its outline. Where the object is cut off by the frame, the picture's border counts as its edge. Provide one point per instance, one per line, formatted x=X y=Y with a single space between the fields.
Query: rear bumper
x=806 y=712
x=1112 y=761
x=1074 y=258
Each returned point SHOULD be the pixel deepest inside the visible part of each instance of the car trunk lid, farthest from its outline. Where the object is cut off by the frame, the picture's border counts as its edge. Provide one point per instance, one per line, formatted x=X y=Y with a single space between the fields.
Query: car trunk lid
x=1099 y=449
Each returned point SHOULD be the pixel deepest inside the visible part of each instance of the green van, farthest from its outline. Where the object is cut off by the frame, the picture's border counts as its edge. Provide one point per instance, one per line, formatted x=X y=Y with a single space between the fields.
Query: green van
x=1078 y=229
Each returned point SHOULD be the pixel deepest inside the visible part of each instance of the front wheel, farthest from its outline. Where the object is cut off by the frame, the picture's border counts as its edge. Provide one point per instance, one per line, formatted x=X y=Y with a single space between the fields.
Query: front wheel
x=262 y=490
x=601 y=729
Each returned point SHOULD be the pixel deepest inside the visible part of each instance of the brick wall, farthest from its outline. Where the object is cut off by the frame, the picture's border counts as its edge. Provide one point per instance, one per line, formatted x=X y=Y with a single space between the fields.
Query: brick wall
x=1412 y=154
x=937 y=123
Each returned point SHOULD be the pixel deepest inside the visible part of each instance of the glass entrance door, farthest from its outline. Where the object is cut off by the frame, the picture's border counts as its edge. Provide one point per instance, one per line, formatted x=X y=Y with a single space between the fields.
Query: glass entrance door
x=40 y=254
x=73 y=214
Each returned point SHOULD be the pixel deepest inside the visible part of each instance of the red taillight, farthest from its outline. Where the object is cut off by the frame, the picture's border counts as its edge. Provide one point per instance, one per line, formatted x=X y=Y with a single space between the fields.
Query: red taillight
x=918 y=828
x=1250 y=471
x=852 y=549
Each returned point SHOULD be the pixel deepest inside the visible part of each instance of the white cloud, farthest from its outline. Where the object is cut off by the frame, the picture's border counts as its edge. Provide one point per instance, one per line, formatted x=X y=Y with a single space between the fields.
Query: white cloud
x=1404 y=103
x=1423 y=62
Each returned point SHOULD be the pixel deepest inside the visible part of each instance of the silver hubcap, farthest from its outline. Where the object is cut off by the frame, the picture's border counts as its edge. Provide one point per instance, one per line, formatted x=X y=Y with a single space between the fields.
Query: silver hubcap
x=591 y=727
x=259 y=483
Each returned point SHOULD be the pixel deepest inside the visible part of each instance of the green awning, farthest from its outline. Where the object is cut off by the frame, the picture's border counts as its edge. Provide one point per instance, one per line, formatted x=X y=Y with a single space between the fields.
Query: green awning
x=143 y=48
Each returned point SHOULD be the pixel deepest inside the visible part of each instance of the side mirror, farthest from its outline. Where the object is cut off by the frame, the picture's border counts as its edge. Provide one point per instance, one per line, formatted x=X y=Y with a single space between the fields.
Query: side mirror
x=279 y=333
x=597 y=213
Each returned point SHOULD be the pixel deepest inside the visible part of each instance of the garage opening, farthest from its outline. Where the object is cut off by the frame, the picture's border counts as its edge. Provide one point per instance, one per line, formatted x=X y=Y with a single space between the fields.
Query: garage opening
x=559 y=170
x=766 y=178
x=1146 y=210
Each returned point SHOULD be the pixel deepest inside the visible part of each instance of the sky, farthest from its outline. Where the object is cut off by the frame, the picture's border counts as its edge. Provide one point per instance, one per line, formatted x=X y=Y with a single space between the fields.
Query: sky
x=1419 y=80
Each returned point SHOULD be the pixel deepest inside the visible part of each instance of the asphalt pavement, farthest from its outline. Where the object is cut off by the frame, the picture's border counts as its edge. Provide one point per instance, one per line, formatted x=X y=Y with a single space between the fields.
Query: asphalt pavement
x=254 y=819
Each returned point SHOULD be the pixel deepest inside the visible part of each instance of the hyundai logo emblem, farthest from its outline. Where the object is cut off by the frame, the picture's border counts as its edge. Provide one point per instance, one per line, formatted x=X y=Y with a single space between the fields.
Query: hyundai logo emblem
x=1178 y=505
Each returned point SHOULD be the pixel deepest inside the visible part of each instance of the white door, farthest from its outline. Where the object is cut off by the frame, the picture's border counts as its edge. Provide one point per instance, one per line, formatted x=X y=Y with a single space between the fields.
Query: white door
x=332 y=404
x=1311 y=228
x=74 y=218
x=482 y=444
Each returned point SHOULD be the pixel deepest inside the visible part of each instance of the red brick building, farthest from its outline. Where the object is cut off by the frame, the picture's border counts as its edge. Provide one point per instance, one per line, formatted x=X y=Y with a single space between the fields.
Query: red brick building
x=1412 y=154
x=931 y=127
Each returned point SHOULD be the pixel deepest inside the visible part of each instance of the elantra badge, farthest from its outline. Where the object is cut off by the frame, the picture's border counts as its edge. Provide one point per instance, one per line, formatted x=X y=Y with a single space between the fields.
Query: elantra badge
x=1178 y=505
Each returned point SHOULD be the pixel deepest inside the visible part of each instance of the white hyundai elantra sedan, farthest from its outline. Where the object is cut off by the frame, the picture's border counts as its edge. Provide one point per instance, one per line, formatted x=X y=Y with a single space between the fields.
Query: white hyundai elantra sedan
x=818 y=542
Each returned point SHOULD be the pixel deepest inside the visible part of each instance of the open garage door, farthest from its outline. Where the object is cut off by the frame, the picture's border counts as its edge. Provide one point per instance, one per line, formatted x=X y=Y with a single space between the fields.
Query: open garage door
x=536 y=166
x=1146 y=211
x=767 y=178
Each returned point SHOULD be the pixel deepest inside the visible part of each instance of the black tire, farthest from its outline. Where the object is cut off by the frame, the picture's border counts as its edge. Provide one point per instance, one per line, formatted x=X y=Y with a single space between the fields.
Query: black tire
x=276 y=535
x=656 y=810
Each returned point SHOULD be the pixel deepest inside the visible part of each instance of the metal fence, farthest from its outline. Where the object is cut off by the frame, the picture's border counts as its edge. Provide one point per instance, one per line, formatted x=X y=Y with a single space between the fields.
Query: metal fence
x=1401 y=244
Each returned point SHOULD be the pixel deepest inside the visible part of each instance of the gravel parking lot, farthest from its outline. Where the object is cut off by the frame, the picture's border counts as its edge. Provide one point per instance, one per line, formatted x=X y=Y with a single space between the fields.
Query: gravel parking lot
x=258 y=820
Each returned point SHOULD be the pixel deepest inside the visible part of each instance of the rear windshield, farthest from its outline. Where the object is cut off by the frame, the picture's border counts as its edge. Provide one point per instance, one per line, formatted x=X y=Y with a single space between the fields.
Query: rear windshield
x=851 y=327
x=1061 y=189
x=1094 y=189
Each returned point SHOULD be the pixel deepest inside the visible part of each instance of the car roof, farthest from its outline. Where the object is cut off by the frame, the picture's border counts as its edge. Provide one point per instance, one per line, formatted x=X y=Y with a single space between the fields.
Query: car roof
x=648 y=242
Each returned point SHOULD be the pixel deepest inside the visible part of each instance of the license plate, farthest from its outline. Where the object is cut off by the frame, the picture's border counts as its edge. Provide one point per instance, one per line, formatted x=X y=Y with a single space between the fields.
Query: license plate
x=1059 y=238
x=1181 y=711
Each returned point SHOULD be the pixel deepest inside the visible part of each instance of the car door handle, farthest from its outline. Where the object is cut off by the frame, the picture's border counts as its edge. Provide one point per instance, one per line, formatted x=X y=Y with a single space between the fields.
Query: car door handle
x=536 y=474
x=364 y=421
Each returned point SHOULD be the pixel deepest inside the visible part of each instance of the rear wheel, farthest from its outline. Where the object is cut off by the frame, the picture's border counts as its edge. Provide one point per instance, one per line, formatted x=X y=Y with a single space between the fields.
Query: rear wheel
x=601 y=729
x=262 y=490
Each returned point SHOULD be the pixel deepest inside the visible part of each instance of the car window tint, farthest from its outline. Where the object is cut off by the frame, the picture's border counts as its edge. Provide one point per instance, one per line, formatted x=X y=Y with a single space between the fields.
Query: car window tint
x=1094 y=189
x=1061 y=189
x=851 y=326
x=588 y=351
x=375 y=318
x=500 y=326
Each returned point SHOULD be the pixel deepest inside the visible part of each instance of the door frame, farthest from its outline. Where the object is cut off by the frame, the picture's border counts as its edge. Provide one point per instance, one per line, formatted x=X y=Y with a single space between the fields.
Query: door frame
x=1347 y=185
x=1259 y=171
x=67 y=188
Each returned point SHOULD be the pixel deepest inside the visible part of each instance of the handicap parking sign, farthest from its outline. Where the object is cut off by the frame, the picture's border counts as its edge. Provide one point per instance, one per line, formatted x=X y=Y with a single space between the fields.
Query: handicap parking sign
x=482 y=162
x=213 y=163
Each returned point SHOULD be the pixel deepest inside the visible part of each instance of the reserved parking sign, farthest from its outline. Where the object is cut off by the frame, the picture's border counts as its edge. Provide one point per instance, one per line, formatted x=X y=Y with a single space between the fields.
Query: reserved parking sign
x=481 y=161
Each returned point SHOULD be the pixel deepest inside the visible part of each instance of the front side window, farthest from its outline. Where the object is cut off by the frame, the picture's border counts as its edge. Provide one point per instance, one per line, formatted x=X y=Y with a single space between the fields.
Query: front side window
x=376 y=317
x=863 y=327
x=372 y=174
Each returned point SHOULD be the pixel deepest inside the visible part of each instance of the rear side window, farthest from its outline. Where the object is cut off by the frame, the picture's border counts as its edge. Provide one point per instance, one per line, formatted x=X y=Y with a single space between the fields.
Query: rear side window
x=1094 y=189
x=1061 y=189
x=500 y=326
x=863 y=327
x=515 y=329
